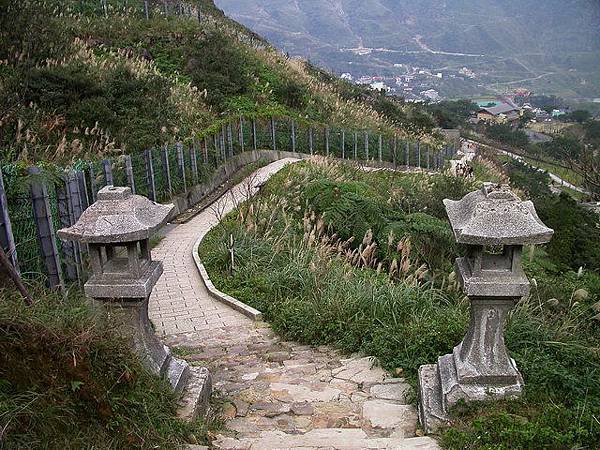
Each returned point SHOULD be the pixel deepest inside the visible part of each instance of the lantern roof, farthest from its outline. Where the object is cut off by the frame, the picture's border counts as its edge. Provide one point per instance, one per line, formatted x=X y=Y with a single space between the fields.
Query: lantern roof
x=117 y=216
x=494 y=215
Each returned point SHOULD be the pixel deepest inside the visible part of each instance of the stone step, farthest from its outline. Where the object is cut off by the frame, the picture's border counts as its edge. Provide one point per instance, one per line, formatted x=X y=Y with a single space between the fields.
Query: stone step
x=336 y=438
x=196 y=396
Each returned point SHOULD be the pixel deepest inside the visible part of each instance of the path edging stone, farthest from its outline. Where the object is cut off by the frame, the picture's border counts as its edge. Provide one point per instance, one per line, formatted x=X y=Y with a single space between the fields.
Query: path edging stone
x=228 y=300
x=196 y=396
x=246 y=310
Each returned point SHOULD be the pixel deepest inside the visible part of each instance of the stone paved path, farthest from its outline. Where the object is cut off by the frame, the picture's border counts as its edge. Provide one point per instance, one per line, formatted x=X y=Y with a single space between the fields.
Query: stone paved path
x=283 y=395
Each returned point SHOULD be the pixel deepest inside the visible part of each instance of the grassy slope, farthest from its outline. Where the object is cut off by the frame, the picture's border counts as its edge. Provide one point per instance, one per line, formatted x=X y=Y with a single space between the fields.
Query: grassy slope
x=75 y=83
x=311 y=293
x=68 y=381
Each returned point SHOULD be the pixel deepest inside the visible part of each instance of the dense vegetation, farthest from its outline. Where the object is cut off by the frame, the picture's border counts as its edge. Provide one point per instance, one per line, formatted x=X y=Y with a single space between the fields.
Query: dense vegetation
x=572 y=153
x=67 y=380
x=507 y=135
x=76 y=81
x=363 y=261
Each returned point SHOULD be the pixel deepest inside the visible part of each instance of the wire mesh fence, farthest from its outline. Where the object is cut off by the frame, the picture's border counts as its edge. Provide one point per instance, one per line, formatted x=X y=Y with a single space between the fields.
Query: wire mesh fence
x=162 y=173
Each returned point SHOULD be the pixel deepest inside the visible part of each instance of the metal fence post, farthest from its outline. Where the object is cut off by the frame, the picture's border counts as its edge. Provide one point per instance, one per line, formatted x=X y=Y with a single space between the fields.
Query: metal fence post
x=343 y=144
x=367 y=145
x=167 y=167
x=93 y=184
x=310 y=140
x=327 y=141
x=428 y=164
x=83 y=190
x=181 y=164
x=74 y=194
x=194 y=162
x=222 y=143
x=242 y=134
x=273 y=134
x=254 y=138
x=355 y=145
x=76 y=202
x=293 y=136
x=7 y=239
x=150 y=175
x=65 y=216
x=380 y=149
x=45 y=230
x=129 y=173
x=205 y=155
x=229 y=139
x=108 y=175
x=146 y=10
x=217 y=146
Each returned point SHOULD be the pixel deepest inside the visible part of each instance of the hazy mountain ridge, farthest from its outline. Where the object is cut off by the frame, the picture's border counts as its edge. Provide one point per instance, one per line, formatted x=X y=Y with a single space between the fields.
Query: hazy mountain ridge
x=519 y=39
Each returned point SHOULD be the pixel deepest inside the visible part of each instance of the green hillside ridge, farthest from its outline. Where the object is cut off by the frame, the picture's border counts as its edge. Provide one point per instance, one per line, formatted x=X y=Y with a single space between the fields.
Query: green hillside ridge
x=76 y=81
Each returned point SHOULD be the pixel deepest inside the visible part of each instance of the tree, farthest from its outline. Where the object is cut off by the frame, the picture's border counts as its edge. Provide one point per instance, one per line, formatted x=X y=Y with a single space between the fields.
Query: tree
x=503 y=132
x=580 y=116
x=452 y=114
x=525 y=118
x=581 y=157
x=592 y=131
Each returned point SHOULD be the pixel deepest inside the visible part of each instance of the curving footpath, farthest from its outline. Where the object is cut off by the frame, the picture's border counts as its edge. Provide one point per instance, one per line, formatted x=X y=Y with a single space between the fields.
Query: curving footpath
x=282 y=395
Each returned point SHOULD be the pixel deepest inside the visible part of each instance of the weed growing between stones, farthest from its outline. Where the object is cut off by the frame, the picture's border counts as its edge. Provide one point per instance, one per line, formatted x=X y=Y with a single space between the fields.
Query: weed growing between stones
x=68 y=381
x=315 y=254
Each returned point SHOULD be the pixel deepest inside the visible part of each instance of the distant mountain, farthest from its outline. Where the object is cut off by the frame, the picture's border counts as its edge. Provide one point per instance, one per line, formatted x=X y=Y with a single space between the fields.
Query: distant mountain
x=550 y=46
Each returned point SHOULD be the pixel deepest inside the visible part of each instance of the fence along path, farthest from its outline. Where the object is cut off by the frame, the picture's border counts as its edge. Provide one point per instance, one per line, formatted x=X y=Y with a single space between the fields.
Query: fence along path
x=36 y=202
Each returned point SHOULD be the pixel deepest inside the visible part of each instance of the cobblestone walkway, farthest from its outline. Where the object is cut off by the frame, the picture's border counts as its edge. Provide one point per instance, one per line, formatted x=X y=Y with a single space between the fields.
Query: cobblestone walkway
x=283 y=395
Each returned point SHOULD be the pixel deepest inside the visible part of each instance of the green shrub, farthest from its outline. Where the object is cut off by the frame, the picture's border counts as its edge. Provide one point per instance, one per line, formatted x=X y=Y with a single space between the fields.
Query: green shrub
x=345 y=207
x=576 y=234
x=432 y=237
x=218 y=65
x=505 y=133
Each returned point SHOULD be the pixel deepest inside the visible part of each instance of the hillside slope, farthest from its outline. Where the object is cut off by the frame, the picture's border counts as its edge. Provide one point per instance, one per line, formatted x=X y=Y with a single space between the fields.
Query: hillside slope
x=77 y=80
x=512 y=40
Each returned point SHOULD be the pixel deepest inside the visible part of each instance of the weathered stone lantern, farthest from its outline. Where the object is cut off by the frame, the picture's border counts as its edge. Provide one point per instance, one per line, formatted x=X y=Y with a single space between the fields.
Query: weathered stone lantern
x=493 y=224
x=117 y=229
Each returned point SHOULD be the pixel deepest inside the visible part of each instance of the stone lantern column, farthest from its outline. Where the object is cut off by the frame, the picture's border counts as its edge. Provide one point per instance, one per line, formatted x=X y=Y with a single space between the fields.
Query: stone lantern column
x=117 y=228
x=493 y=224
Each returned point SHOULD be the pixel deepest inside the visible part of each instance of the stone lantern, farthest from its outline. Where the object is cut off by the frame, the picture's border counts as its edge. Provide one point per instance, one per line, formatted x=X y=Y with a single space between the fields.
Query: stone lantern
x=117 y=229
x=493 y=224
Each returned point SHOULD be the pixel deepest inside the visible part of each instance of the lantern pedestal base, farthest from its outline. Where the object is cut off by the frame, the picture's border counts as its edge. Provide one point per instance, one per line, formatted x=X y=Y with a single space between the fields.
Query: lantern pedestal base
x=194 y=384
x=440 y=389
x=131 y=319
